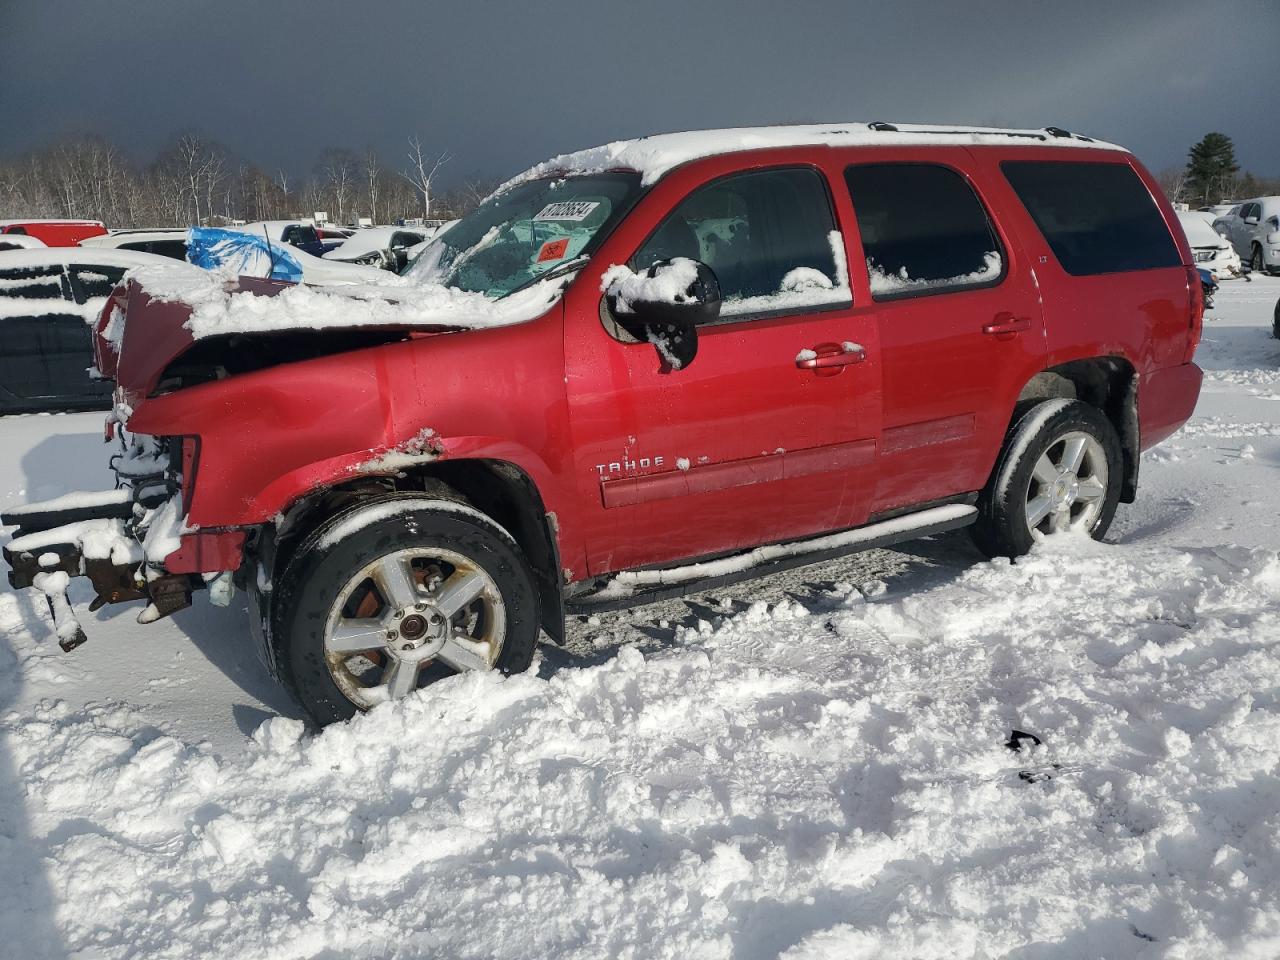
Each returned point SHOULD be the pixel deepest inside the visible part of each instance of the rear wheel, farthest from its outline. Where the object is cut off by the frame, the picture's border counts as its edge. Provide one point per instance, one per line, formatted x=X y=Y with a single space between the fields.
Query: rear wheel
x=1060 y=470
x=396 y=594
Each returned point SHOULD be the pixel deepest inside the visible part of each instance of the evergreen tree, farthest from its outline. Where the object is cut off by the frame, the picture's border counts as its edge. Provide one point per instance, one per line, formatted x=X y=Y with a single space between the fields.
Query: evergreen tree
x=1211 y=168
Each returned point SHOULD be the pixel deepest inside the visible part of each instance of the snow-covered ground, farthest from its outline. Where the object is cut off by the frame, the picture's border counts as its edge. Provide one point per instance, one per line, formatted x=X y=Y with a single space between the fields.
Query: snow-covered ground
x=813 y=766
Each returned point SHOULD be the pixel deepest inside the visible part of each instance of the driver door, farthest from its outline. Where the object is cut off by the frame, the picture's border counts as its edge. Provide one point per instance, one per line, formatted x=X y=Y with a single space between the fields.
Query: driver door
x=749 y=443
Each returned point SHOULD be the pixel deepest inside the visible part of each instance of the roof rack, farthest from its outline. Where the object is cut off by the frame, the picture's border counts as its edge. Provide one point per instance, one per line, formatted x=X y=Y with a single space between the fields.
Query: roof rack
x=1055 y=132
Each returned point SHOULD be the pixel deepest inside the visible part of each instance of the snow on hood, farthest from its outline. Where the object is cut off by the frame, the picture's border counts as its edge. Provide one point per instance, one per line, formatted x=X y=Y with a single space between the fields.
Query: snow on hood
x=1199 y=231
x=653 y=156
x=218 y=307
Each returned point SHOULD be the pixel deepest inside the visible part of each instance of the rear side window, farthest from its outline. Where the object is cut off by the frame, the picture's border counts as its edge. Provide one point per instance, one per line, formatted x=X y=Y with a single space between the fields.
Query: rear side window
x=923 y=229
x=769 y=236
x=1096 y=217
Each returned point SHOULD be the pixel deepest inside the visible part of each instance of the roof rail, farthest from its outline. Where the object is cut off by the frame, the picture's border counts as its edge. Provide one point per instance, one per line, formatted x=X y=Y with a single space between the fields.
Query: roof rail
x=1066 y=134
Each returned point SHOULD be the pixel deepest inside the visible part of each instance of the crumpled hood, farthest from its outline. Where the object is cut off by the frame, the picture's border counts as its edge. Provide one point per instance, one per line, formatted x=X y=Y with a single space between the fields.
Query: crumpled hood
x=161 y=313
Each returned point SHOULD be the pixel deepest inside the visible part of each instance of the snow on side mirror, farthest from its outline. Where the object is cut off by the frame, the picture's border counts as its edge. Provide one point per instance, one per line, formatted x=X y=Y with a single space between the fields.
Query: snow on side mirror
x=664 y=305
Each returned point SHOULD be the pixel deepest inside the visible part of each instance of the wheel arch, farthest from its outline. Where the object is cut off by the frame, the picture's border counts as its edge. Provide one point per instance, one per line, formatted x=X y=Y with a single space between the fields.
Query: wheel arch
x=500 y=489
x=1109 y=383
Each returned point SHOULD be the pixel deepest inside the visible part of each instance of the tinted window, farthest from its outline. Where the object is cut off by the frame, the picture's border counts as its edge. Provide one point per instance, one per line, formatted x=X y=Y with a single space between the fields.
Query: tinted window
x=94 y=281
x=174 y=249
x=923 y=230
x=769 y=236
x=1097 y=217
x=43 y=361
x=33 y=283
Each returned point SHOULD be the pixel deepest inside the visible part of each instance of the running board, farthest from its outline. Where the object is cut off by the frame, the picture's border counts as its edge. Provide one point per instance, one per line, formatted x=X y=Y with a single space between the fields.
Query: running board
x=635 y=587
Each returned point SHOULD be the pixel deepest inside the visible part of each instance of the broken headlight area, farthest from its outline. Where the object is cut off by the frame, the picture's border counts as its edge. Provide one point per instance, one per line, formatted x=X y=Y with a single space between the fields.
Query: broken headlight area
x=119 y=539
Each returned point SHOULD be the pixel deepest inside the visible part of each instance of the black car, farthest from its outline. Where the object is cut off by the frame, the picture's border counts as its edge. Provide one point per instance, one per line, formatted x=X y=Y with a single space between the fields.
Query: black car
x=49 y=302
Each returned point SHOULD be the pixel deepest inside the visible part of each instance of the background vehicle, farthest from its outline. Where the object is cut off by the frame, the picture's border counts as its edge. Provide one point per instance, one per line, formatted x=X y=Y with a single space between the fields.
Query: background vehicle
x=164 y=243
x=1254 y=231
x=49 y=300
x=332 y=237
x=385 y=247
x=293 y=232
x=608 y=382
x=54 y=233
x=20 y=241
x=1210 y=249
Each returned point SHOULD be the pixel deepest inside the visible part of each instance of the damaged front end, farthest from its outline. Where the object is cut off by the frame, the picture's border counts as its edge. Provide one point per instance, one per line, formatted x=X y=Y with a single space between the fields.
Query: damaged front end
x=130 y=542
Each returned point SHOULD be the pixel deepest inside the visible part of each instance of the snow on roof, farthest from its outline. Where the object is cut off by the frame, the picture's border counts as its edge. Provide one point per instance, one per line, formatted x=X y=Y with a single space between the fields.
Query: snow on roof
x=113 y=240
x=10 y=241
x=78 y=256
x=653 y=156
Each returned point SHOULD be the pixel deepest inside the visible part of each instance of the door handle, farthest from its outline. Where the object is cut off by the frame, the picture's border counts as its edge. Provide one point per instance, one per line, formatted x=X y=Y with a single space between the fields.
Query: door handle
x=1006 y=325
x=826 y=355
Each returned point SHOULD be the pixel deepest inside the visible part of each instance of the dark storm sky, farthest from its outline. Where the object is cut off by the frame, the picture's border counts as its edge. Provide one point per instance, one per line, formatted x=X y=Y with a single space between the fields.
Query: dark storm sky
x=501 y=85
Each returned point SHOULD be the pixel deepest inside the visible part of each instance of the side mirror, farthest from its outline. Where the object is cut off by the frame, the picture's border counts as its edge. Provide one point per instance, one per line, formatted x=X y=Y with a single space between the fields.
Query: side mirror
x=1251 y=221
x=664 y=305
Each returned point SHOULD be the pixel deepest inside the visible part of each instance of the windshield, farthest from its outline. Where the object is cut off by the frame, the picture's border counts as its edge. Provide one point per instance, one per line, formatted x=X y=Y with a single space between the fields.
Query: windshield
x=526 y=232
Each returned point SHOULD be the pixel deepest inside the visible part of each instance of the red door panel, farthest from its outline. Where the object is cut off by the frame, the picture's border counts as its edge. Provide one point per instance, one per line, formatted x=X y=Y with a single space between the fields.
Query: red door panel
x=742 y=447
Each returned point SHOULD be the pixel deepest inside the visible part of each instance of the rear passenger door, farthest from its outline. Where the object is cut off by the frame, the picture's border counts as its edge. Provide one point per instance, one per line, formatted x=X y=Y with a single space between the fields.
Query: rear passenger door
x=959 y=320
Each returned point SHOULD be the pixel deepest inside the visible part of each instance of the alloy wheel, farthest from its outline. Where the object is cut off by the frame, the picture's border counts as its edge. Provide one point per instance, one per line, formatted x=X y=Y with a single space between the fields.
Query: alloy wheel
x=1068 y=486
x=406 y=613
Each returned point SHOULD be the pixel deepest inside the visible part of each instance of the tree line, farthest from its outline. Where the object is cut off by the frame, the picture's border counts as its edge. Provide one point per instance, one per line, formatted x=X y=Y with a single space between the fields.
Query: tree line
x=195 y=180
x=1212 y=176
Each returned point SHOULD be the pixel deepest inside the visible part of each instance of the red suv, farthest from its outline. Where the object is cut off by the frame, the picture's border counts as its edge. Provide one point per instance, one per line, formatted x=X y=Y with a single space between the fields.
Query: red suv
x=634 y=371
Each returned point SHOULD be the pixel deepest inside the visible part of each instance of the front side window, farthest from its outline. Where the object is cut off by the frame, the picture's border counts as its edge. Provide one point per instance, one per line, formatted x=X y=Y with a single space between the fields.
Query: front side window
x=1096 y=217
x=923 y=229
x=769 y=236
x=525 y=233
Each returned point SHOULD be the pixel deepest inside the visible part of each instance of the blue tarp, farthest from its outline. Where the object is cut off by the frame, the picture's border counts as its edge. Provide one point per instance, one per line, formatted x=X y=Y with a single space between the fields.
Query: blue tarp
x=244 y=254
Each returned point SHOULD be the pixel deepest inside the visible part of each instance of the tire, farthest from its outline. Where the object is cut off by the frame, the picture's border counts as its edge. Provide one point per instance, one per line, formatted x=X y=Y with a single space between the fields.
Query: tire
x=1275 y=322
x=1256 y=262
x=374 y=571
x=1040 y=439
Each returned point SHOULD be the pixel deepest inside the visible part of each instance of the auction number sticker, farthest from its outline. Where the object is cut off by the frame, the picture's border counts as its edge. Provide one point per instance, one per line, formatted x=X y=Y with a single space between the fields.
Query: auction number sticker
x=567 y=210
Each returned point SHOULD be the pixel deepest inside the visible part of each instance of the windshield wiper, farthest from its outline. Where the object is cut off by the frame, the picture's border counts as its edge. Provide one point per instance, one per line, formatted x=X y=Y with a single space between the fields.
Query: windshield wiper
x=567 y=267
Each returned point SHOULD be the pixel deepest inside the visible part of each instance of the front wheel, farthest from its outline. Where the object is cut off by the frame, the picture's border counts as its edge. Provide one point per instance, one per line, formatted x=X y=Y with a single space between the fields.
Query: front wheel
x=395 y=594
x=1060 y=469
x=1256 y=262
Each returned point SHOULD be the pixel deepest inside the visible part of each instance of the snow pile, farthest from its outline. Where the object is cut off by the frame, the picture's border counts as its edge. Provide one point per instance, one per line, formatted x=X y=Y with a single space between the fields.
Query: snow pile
x=216 y=310
x=883 y=281
x=830 y=781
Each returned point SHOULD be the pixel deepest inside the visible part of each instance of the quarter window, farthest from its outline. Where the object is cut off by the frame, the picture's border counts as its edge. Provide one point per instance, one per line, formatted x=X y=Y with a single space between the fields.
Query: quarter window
x=768 y=235
x=1096 y=217
x=923 y=229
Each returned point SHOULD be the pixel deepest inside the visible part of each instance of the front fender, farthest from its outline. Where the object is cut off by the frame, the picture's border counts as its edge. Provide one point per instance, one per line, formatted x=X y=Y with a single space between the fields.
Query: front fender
x=274 y=435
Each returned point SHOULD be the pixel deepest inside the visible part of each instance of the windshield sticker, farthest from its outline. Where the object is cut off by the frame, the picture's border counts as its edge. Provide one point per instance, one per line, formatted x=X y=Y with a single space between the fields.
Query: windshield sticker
x=567 y=210
x=553 y=249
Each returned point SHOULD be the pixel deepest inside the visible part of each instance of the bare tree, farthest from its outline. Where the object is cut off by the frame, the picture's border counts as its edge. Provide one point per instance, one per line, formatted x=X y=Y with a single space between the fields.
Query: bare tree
x=338 y=167
x=422 y=172
x=372 y=178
